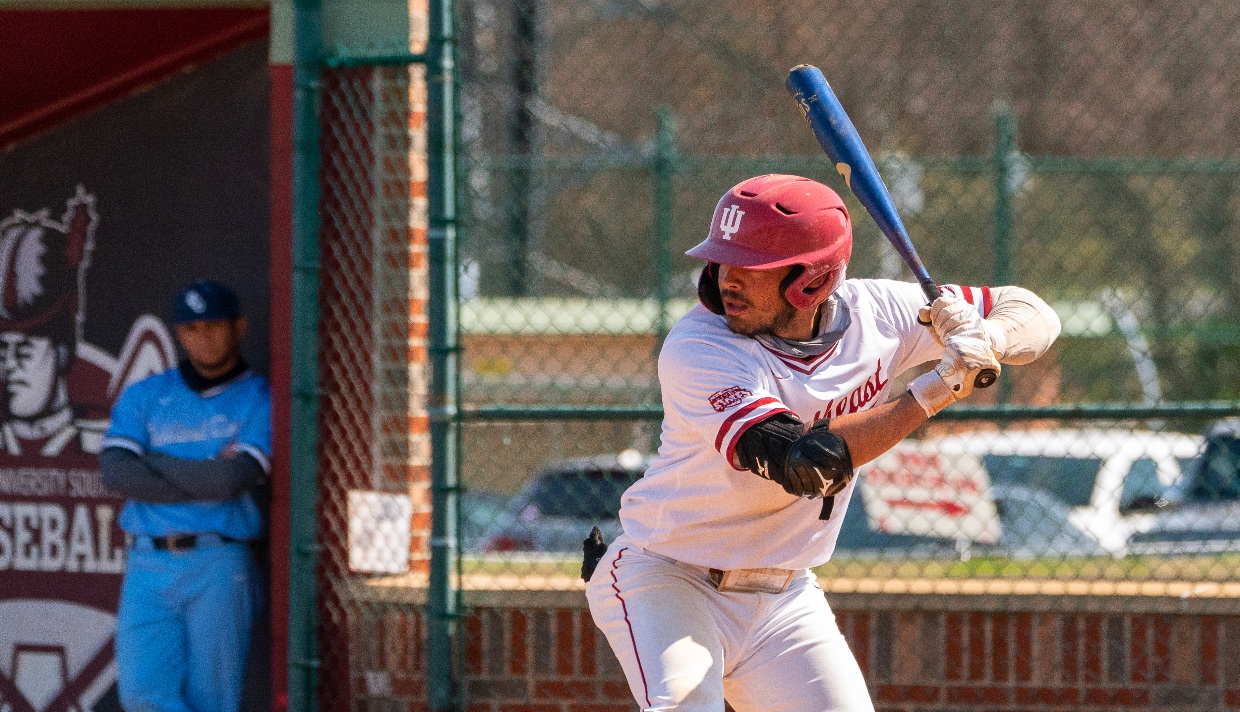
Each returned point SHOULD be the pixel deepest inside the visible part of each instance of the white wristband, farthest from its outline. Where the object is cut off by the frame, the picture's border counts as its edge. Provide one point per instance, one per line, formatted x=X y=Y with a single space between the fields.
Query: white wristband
x=931 y=392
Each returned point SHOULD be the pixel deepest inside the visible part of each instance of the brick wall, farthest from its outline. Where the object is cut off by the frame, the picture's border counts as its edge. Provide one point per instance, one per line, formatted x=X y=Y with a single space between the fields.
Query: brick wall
x=540 y=652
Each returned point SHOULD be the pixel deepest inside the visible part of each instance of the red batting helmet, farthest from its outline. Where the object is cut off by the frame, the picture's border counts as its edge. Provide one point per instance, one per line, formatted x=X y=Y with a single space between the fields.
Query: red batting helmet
x=777 y=220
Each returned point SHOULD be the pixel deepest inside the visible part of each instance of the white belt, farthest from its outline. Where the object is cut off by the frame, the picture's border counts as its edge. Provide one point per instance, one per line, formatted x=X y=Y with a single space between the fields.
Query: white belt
x=753 y=580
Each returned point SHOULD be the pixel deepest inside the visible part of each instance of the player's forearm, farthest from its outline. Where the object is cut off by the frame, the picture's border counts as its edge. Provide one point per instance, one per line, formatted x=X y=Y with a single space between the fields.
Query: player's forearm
x=773 y=448
x=872 y=432
x=126 y=473
x=209 y=480
x=1027 y=324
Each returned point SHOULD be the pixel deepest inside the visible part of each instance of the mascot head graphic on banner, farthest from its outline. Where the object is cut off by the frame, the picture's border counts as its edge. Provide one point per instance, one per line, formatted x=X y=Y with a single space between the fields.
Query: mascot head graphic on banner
x=42 y=282
x=61 y=554
x=57 y=388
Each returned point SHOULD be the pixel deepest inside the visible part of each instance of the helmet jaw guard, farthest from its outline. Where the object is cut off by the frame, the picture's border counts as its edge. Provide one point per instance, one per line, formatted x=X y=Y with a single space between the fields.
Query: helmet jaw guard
x=708 y=288
x=795 y=288
x=801 y=295
x=774 y=221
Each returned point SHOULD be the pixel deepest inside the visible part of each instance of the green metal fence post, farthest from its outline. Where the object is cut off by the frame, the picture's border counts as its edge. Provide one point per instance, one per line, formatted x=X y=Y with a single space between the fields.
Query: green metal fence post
x=460 y=181
x=522 y=131
x=664 y=214
x=303 y=653
x=1005 y=149
x=665 y=159
x=442 y=398
x=1005 y=152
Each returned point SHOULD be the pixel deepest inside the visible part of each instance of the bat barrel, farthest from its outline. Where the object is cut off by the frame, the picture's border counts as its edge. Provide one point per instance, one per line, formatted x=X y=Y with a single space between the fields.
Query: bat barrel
x=840 y=141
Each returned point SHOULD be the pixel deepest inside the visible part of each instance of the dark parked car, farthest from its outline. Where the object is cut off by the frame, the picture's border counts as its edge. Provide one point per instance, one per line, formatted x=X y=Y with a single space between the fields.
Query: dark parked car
x=554 y=511
x=1033 y=524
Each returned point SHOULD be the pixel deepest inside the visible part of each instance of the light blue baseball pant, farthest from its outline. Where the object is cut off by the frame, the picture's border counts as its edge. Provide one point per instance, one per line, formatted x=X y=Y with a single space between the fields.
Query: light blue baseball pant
x=183 y=628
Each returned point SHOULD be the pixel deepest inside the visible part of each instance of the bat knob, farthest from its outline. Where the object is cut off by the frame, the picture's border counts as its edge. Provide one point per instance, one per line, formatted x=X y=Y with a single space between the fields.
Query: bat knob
x=985 y=378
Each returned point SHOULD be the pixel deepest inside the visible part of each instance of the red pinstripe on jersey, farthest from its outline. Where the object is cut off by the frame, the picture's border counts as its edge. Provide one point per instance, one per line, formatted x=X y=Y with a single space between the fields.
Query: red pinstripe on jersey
x=736 y=424
x=977 y=296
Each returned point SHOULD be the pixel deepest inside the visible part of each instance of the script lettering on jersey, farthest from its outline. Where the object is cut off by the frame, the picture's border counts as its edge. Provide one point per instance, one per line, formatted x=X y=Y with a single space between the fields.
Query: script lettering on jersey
x=860 y=397
x=728 y=397
x=218 y=427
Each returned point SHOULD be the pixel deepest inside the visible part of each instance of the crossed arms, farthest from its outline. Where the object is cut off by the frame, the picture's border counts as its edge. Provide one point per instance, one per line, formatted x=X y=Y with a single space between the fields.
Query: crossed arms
x=161 y=478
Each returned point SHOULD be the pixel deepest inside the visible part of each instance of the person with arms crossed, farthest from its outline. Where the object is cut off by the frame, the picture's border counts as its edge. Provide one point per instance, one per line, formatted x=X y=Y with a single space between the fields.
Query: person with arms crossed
x=775 y=390
x=186 y=449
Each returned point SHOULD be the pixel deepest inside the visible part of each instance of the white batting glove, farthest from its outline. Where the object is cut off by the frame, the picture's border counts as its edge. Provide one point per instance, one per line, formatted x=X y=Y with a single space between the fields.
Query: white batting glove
x=952 y=379
x=950 y=316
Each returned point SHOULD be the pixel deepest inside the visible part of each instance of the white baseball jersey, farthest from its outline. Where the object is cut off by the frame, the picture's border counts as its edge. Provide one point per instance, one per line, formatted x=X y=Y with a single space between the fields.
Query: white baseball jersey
x=695 y=504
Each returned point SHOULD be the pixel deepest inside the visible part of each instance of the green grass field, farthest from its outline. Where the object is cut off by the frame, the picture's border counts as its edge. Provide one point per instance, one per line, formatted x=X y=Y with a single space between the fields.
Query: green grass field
x=1213 y=568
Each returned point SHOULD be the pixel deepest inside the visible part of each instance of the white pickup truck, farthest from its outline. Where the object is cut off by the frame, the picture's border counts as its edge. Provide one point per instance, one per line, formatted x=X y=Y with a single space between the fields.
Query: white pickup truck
x=1111 y=480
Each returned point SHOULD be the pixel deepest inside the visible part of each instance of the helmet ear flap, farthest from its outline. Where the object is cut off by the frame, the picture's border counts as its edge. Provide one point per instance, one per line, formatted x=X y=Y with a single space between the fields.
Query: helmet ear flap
x=708 y=288
x=797 y=289
x=789 y=287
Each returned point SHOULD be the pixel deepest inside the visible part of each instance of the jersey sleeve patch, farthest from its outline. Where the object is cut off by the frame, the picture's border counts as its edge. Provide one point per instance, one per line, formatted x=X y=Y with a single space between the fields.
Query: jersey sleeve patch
x=728 y=398
x=713 y=386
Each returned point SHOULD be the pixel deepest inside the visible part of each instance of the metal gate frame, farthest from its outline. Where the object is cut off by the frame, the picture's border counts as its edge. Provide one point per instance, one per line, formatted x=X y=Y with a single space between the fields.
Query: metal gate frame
x=309 y=62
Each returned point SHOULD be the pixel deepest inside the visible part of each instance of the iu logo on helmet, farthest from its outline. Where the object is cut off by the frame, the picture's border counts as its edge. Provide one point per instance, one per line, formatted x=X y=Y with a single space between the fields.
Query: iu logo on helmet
x=730 y=221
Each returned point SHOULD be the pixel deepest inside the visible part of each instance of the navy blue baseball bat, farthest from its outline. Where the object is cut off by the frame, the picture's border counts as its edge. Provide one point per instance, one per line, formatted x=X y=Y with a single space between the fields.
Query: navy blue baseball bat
x=839 y=139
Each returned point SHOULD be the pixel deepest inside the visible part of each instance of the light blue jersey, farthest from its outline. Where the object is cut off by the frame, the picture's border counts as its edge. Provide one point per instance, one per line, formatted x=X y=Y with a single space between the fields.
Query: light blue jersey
x=163 y=414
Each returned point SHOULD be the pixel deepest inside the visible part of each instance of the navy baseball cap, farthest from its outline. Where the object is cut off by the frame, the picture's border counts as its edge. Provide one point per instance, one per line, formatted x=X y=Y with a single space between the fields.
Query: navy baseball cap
x=205 y=300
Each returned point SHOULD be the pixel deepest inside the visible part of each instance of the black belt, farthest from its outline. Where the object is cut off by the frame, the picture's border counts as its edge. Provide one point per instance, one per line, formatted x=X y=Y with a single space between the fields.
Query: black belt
x=182 y=542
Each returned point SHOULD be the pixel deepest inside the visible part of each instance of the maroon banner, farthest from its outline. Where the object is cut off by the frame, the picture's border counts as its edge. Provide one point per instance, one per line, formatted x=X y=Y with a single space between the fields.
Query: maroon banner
x=101 y=222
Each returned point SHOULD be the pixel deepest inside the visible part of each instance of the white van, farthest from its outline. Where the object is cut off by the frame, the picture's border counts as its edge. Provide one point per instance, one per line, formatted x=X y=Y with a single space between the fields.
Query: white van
x=1111 y=479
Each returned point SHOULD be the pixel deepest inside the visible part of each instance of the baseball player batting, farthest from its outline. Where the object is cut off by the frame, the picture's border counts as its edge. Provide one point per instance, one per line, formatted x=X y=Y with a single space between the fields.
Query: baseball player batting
x=776 y=388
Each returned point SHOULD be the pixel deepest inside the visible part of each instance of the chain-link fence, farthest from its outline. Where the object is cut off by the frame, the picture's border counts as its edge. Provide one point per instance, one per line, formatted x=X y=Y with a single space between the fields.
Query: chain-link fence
x=1087 y=151
x=374 y=503
x=1090 y=161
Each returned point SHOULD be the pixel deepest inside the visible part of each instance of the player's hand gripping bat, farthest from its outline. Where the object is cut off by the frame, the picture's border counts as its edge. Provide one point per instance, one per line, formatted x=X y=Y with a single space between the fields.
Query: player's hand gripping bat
x=837 y=136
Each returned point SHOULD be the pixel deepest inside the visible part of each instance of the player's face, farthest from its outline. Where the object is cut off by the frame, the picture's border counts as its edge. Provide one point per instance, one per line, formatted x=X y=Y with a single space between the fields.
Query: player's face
x=29 y=372
x=754 y=303
x=212 y=346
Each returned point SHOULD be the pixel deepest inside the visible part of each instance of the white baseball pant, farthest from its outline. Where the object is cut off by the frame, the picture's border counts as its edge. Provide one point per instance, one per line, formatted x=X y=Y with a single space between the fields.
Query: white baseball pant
x=686 y=646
